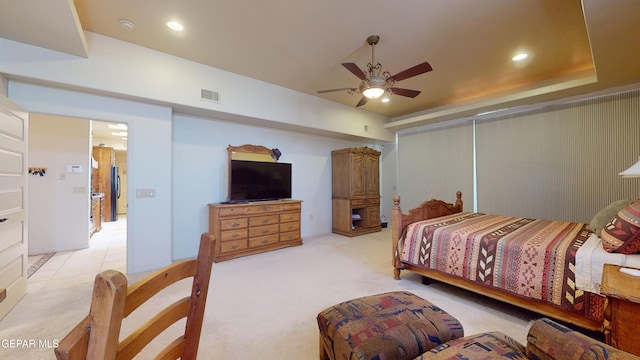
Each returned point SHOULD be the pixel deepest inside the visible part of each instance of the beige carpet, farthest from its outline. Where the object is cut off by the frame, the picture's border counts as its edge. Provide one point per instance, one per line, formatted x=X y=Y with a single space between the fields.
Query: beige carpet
x=264 y=306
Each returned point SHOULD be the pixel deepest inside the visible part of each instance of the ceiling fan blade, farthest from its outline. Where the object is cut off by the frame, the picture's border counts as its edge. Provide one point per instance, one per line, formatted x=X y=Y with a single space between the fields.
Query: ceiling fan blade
x=355 y=70
x=411 y=72
x=362 y=101
x=405 y=92
x=332 y=90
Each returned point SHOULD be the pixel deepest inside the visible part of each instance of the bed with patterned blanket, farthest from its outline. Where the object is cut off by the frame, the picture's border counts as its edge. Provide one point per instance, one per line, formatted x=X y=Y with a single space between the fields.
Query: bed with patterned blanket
x=525 y=262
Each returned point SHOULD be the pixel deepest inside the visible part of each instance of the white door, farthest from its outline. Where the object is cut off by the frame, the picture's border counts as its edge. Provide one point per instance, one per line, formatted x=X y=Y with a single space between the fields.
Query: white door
x=13 y=200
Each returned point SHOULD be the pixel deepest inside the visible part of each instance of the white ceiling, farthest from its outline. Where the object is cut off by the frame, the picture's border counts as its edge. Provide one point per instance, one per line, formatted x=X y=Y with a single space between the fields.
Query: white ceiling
x=300 y=44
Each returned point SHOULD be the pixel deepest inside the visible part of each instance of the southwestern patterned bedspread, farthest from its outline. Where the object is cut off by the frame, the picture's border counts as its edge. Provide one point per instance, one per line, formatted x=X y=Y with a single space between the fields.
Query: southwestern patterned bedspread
x=530 y=258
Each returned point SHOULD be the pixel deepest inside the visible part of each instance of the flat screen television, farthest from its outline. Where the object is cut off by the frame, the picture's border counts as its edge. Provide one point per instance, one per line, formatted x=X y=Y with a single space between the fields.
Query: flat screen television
x=257 y=181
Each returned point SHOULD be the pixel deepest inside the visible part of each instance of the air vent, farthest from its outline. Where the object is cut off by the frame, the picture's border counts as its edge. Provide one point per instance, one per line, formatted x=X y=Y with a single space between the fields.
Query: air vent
x=209 y=95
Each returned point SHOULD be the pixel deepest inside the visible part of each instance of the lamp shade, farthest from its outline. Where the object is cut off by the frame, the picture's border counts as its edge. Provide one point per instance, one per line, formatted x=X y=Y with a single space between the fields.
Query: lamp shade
x=633 y=171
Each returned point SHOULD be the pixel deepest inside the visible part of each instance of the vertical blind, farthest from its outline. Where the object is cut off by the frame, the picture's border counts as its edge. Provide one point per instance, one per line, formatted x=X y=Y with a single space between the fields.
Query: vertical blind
x=436 y=164
x=560 y=162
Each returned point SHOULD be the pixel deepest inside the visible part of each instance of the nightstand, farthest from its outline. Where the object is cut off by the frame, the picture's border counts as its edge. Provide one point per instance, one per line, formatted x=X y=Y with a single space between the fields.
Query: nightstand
x=622 y=315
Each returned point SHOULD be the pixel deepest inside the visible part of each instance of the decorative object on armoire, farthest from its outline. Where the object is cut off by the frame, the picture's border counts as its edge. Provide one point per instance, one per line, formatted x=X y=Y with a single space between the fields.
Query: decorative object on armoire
x=355 y=191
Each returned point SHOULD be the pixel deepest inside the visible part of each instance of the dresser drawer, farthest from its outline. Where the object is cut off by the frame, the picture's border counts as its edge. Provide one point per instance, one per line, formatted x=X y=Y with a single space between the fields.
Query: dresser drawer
x=263 y=209
x=289 y=236
x=231 y=211
x=264 y=220
x=289 y=217
x=263 y=230
x=230 y=246
x=292 y=226
x=233 y=224
x=230 y=235
x=263 y=240
x=364 y=202
x=293 y=206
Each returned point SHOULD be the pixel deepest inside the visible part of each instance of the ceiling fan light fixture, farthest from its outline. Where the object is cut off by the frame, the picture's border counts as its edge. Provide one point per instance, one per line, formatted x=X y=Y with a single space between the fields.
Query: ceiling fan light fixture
x=373 y=92
x=385 y=99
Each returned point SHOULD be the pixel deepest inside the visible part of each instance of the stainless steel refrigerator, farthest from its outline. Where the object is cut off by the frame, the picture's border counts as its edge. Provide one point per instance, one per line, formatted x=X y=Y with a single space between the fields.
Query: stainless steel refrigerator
x=115 y=192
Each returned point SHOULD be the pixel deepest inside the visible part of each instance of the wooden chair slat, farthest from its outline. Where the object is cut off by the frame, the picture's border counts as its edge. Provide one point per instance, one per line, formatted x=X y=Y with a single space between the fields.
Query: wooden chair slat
x=152 y=284
x=172 y=351
x=137 y=340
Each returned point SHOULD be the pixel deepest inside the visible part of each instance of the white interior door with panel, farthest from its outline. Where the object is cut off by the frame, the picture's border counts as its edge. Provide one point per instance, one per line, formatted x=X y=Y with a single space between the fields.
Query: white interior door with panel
x=13 y=200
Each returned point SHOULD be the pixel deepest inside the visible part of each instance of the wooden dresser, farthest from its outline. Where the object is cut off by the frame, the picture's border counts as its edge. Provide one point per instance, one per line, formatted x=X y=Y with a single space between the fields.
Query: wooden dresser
x=252 y=228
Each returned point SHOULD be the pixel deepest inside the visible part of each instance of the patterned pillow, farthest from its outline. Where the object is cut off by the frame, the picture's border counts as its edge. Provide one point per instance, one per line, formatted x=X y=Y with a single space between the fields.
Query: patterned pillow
x=603 y=216
x=622 y=233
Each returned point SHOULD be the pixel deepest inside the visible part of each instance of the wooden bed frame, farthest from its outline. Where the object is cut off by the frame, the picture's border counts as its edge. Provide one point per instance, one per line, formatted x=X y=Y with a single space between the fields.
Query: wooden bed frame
x=435 y=208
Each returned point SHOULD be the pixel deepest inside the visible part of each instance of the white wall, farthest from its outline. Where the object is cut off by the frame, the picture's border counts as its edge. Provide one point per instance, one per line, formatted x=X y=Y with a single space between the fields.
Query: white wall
x=389 y=179
x=58 y=201
x=149 y=160
x=200 y=174
x=135 y=72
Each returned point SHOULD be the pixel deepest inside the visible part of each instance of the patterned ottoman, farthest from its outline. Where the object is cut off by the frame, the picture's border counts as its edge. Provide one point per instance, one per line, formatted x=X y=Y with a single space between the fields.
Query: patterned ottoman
x=390 y=326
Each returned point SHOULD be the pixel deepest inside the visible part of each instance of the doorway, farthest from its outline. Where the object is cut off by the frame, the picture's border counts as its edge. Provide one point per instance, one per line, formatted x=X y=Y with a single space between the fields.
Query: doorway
x=63 y=200
x=108 y=145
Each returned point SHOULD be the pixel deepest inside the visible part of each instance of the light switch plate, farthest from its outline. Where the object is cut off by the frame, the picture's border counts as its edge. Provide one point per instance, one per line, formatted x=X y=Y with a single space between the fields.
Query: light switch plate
x=145 y=193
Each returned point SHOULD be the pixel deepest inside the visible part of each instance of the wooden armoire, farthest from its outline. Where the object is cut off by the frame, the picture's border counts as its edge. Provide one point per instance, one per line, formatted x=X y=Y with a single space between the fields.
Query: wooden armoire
x=355 y=191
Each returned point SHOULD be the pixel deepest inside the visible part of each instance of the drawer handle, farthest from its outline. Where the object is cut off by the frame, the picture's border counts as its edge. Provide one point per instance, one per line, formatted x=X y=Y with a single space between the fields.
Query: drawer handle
x=3 y=220
x=265 y=241
x=290 y=227
x=265 y=221
x=235 y=225
x=265 y=231
x=235 y=246
x=235 y=236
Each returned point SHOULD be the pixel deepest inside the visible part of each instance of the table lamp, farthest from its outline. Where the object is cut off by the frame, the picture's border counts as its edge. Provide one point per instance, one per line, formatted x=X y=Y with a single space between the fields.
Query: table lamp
x=632 y=172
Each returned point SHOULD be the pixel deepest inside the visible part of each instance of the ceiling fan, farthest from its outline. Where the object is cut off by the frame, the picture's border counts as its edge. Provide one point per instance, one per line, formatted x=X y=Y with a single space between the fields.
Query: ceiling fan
x=375 y=82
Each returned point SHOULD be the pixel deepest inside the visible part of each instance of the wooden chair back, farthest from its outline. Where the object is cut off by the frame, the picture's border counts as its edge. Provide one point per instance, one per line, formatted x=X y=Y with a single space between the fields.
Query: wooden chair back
x=97 y=336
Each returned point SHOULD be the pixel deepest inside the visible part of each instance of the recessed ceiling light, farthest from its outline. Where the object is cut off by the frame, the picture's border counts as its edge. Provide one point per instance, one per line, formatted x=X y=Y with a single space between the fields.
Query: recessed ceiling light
x=127 y=25
x=117 y=126
x=175 y=26
x=520 y=57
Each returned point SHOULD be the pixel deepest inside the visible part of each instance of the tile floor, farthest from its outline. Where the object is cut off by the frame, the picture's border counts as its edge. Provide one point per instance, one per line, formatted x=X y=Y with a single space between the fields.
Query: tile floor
x=107 y=250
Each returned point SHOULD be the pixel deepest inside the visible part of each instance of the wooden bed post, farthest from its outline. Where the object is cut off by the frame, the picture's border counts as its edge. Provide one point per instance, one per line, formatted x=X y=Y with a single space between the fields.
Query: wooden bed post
x=396 y=230
x=458 y=204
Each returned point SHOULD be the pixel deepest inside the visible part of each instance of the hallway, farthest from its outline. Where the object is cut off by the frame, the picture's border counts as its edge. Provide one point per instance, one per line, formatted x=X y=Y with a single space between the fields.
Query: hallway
x=107 y=250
